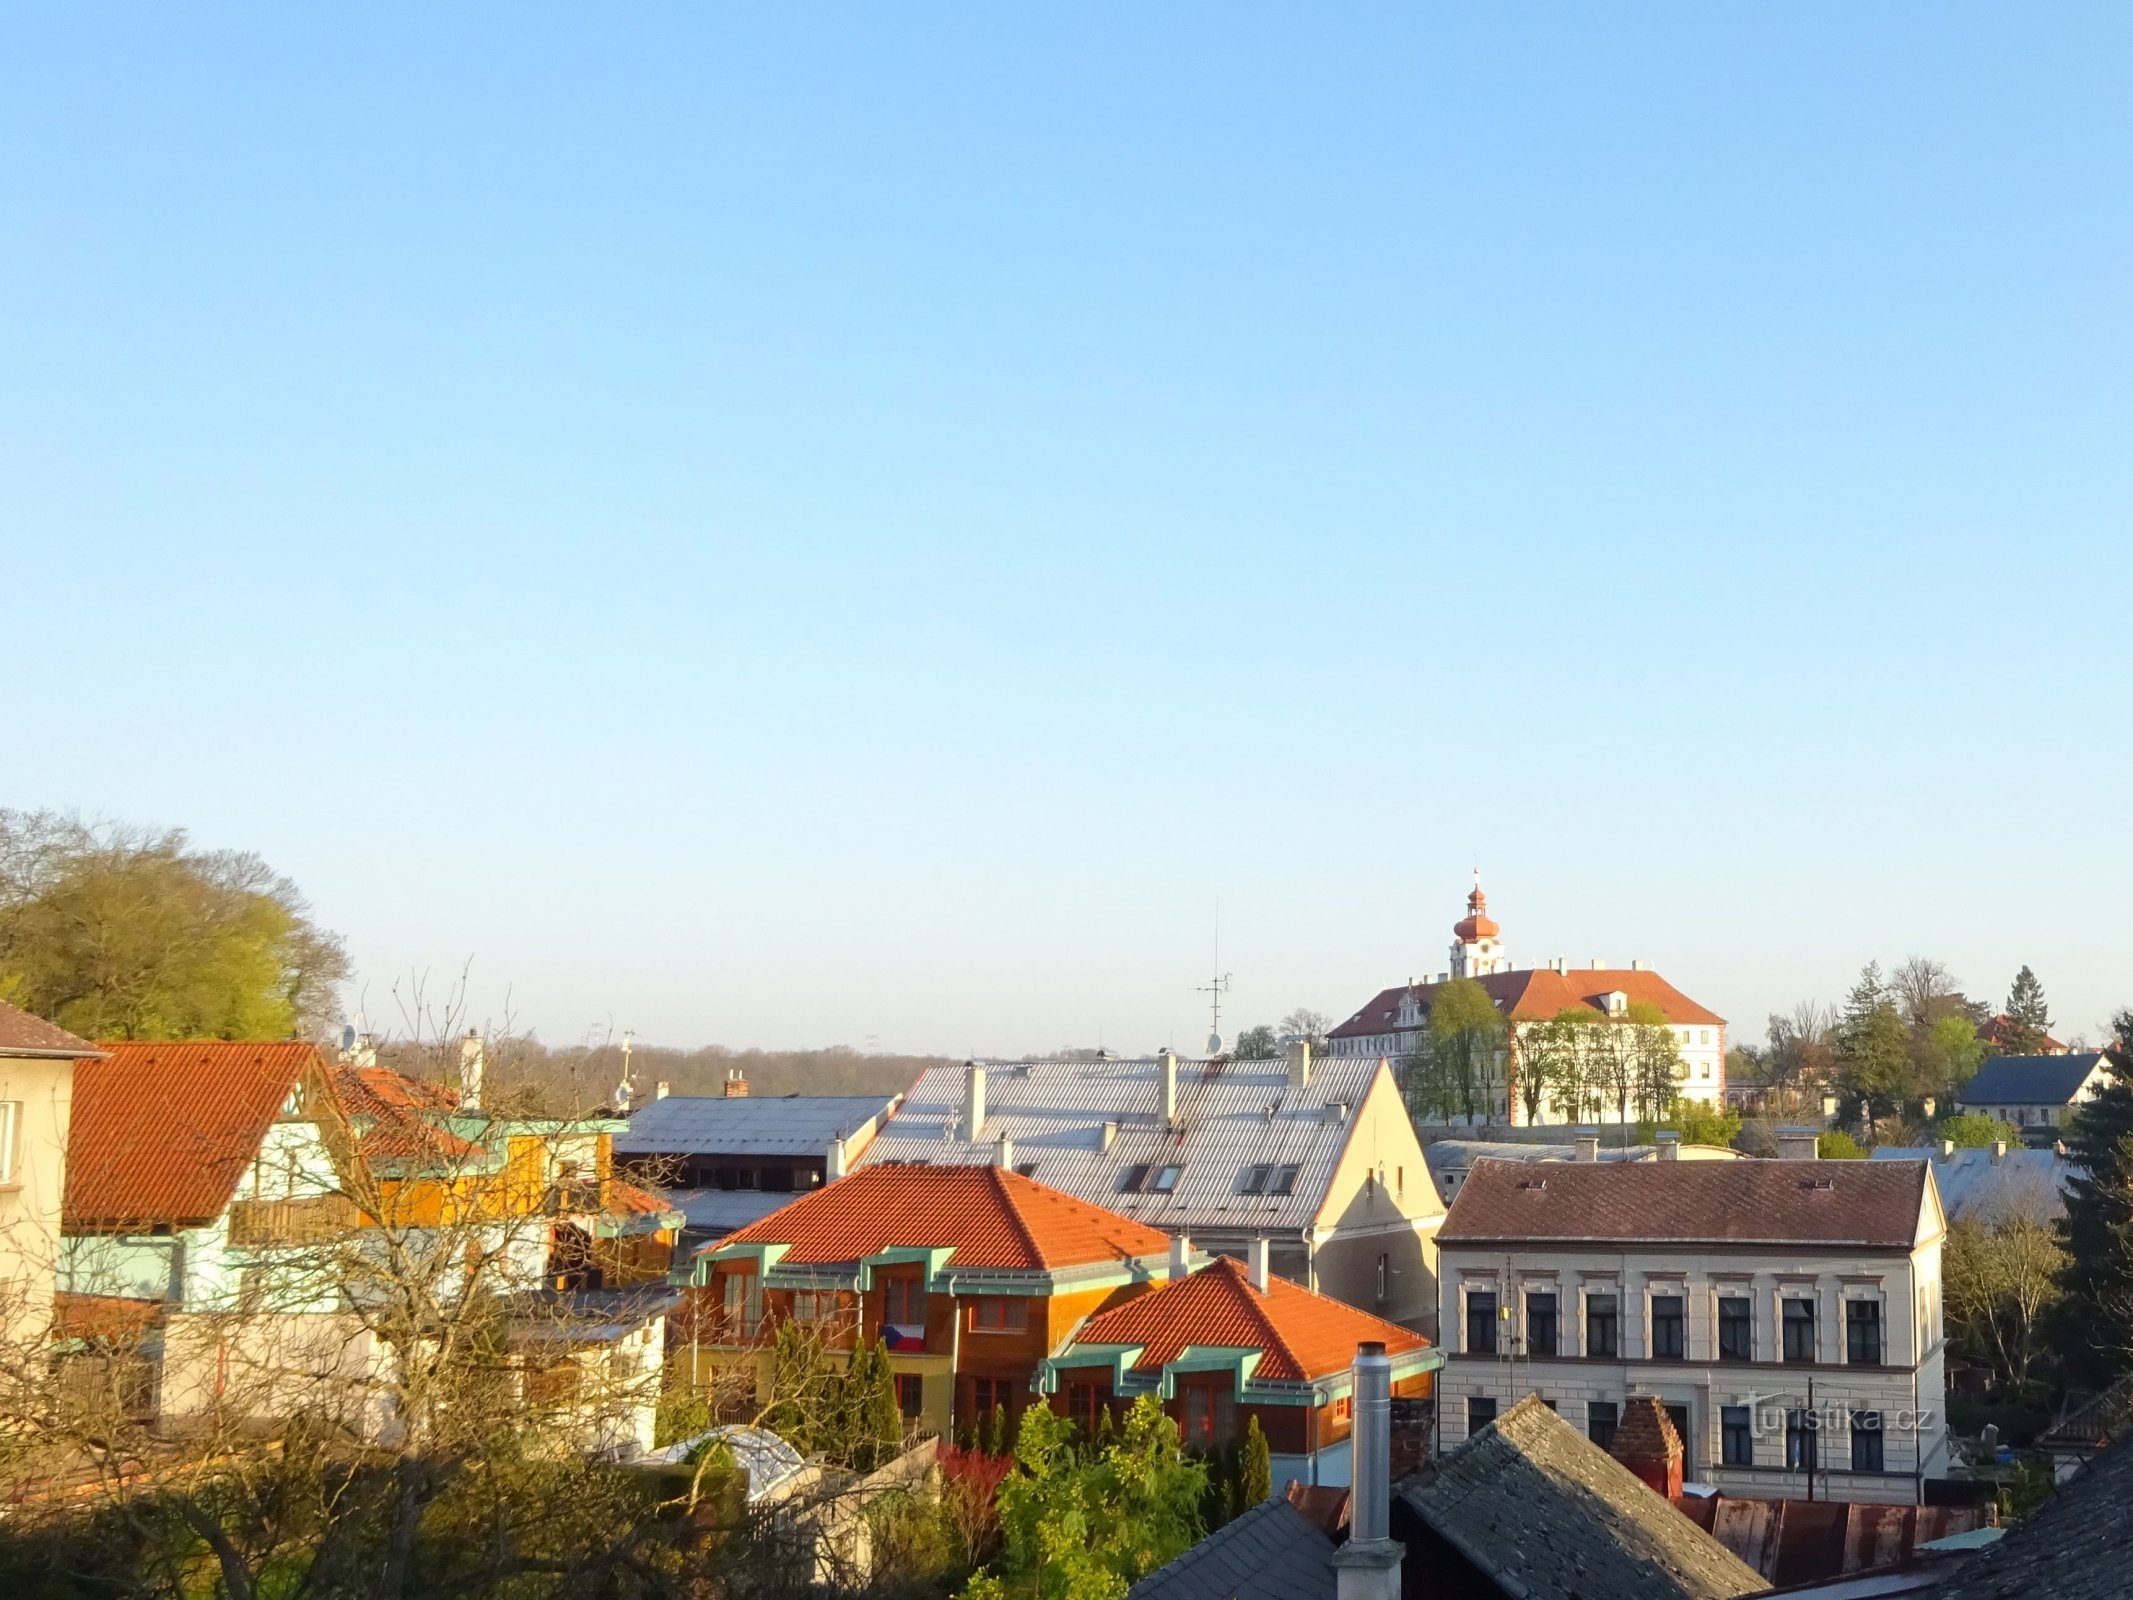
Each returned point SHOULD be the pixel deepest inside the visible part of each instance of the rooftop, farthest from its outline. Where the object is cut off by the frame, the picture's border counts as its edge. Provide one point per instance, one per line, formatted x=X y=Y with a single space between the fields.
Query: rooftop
x=1304 y=1335
x=1977 y=1185
x=988 y=1217
x=2029 y=1080
x=24 y=1035
x=1271 y=1552
x=2073 y=1548
x=1870 y=1204
x=691 y=1125
x=1546 y=1513
x=1535 y=994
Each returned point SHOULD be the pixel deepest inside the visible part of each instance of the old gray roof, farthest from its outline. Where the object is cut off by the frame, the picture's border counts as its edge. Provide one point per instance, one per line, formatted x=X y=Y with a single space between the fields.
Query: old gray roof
x=747 y=1125
x=1271 y=1552
x=2072 y=1548
x=1976 y=1187
x=721 y=1211
x=2028 y=1080
x=1233 y=1117
x=1531 y=1500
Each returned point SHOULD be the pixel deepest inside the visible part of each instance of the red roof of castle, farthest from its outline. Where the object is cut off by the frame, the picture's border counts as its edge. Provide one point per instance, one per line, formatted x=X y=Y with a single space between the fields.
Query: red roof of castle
x=990 y=1217
x=1304 y=1335
x=1538 y=993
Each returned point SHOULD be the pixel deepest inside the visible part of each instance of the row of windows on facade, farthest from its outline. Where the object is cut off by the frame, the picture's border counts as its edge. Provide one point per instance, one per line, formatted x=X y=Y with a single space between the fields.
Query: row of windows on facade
x=1736 y=1433
x=1669 y=1328
x=903 y=1306
x=1265 y=1177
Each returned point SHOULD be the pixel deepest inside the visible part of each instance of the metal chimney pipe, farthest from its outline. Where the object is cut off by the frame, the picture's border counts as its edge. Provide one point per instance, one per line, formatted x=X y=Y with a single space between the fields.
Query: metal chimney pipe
x=1370 y=1472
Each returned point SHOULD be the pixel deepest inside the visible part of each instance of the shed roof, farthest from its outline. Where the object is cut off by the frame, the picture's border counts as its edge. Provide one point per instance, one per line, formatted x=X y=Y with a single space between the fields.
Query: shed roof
x=1232 y=1118
x=705 y=1125
x=987 y=1217
x=1304 y=1335
x=1871 y=1204
x=2029 y=1080
x=1535 y=1504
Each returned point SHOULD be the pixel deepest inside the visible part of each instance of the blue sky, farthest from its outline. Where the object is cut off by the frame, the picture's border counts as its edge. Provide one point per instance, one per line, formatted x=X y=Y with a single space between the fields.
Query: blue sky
x=789 y=525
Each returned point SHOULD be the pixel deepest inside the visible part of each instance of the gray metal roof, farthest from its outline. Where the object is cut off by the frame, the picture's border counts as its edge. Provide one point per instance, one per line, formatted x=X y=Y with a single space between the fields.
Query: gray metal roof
x=1232 y=1116
x=2028 y=1080
x=1544 y=1512
x=1271 y=1552
x=1450 y=1159
x=721 y=1211
x=747 y=1125
x=1976 y=1187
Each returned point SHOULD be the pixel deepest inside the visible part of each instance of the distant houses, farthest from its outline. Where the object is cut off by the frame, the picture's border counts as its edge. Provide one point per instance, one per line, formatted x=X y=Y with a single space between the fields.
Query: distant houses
x=2038 y=1094
x=37 y=1069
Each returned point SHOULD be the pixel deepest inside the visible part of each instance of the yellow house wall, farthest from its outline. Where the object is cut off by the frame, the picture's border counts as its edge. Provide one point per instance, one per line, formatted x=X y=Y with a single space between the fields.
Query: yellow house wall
x=1367 y=1215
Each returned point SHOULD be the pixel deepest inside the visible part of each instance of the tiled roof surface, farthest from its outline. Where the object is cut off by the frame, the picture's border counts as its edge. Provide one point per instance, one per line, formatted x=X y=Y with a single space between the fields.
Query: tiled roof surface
x=1232 y=1115
x=2029 y=1080
x=394 y=1115
x=23 y=1034
x=1304 y=1335
x=1535 y=994
x=2073 y=1548
x=626 y=1199
x=1867 y=1203
x=713 y=1125
x=1976 y=1186
x=1547 y=1513
x=161 y=1133
x=1272 y=1552
x=990 y=1218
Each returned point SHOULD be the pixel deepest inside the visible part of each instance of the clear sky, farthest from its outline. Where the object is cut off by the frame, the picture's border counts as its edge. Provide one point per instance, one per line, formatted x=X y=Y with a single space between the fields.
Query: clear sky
x=793 y=524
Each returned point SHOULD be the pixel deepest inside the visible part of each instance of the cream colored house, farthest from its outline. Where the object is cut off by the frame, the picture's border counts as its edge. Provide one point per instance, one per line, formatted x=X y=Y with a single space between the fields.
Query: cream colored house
x=1787 y=1314
x=36 y=1099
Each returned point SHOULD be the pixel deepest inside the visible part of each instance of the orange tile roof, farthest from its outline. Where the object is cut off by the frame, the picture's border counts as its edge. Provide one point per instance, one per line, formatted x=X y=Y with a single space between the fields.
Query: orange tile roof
x=117 y=1318
x=23 y=1034
x=989 y=1217
x=1304 y=1335
x=1535 y=994
x=626 y=1199
x=161 y=1132
x=387 y=1109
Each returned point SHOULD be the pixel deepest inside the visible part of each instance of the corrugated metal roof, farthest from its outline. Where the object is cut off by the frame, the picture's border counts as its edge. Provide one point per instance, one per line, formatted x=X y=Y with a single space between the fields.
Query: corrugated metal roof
x=712 y=1125
x=1232 y=1116
x=1976 y=1187
x=720 y=1211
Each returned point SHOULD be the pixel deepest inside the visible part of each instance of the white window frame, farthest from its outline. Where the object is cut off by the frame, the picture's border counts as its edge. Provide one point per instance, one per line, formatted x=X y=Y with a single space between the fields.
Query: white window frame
x=10 y=1143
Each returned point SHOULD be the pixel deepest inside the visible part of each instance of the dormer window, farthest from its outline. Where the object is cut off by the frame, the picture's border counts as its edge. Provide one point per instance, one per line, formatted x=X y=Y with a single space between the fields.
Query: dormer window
x=1617 y=1003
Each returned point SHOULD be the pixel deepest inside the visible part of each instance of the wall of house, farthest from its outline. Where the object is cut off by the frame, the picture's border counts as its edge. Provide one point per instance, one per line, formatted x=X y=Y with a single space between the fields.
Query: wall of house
x=1380 y=1205
x=29 y=1204
x=1907 y=1388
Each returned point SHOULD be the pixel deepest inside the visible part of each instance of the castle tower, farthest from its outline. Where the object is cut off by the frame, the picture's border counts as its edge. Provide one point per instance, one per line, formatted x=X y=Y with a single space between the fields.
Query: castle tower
x=1476 y=948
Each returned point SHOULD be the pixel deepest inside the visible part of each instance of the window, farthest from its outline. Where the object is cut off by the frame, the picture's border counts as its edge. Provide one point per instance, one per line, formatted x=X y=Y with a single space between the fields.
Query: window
x=1480 y=1323
x=1384 y=1277
x=1210 y=1414
x=738 y=1301
x=1601 y=1416
x=1130 y=1179
x=999 y=1313
x=910 y=1395
x=1603 y=1319
x=1862 y=1332
x=1540 y=1324
x=1866 y=1441
x=1800 y=1453
x=1255 y=1179
x=1165 y=1180
x=1736 y=1328
x=903 y=1302
x=1026 y=1168
x=1799 y=1330
x=1284 y=1181
x=1736 y=1439
x=1480 y=1412
x=814 y=1305
x=990 y=1395
x=1679 y=1417
x=10 y=1135
x=1669 y=1324
x=1087 y=1402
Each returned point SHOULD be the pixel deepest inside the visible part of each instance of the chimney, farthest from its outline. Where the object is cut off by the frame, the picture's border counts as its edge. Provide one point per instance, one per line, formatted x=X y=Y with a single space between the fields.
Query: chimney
x=1598 y=965
x=1829 y=1108
x=736 y=1084
x=1005 y=1161
x=1299 y=1063
x=473 y=1061
x=973 y=1101
x=1110 y=1132
x=662 y=1089
x=1646 y=1443
x=1167 y=1059
x=1261 y=1257
x=1798 y=1144
x=1180 y=1256
x=1587 y=1146
x=1947 y=1149
x=1367 y=1567
x=1669 y=1145
x=1635 y=965
x=1999 y=1150
x=833 y=1168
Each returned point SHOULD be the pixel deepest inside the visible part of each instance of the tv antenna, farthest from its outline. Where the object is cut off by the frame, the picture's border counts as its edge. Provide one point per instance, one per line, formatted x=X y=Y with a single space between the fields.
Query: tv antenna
x=1215 y=988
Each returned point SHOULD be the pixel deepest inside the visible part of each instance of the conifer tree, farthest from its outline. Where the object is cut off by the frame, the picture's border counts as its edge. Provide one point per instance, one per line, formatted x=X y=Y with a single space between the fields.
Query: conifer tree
x=2098 y=1227
x=1873 y=1047
x=1258 y=1466
x=2028 y=1021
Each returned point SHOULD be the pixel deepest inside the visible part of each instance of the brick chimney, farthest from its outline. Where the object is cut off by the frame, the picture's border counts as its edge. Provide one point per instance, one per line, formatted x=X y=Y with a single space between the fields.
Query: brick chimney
x=1647 y=1444
x=736 y=1084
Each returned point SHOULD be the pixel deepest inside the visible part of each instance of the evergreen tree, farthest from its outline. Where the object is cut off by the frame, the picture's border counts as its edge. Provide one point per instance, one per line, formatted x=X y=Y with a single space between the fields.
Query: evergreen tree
x=2028 y=1024
x=1873 y=1048
x=1258 y=1466
x=2098 y=1227
x=877 y=1420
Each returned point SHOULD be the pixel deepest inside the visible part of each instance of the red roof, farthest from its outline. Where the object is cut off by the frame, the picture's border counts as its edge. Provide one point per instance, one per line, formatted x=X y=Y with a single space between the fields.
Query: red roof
x=23 y=1034
x=1535 y=994
x=1304 y=1335
x=990 y=1217
x=388 y=1110
x=626 y=1199
x=161 y=1132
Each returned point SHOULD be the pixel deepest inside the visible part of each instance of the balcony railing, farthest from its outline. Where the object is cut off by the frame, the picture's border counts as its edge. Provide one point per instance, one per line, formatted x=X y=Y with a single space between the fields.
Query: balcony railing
x=282 y=1222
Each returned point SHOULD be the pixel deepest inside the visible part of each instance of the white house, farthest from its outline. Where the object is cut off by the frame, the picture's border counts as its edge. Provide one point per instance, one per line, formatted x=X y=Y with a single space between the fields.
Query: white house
x=1786 y=1313
x=2038 y=1094
x=36 y=1101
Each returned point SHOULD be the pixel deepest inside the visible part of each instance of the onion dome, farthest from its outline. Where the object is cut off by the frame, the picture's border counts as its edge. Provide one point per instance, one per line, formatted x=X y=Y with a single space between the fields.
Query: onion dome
x=1475 y=925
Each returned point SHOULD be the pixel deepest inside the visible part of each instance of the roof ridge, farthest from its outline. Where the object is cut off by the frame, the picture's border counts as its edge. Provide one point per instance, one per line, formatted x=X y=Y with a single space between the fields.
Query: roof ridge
x=1000 y=1175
